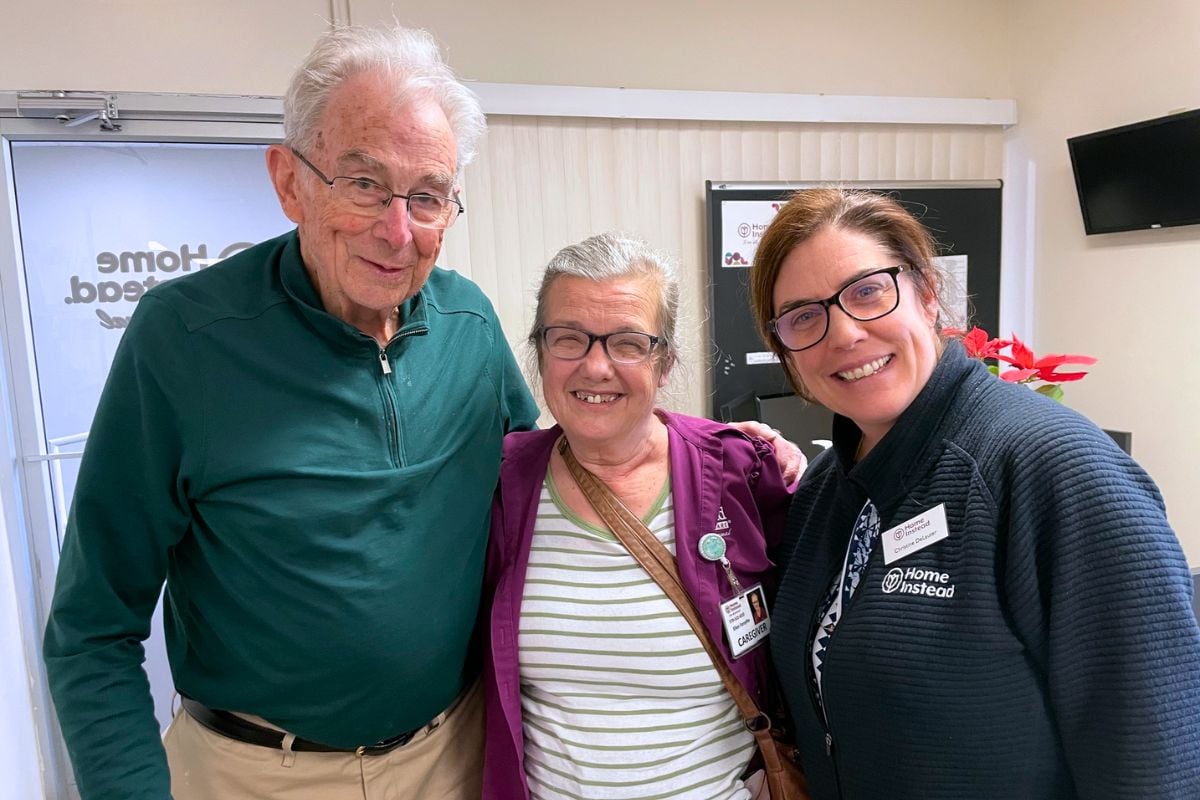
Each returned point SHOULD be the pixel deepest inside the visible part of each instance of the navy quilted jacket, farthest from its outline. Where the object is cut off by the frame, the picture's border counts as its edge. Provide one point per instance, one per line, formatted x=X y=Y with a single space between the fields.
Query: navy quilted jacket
x=1047 y=648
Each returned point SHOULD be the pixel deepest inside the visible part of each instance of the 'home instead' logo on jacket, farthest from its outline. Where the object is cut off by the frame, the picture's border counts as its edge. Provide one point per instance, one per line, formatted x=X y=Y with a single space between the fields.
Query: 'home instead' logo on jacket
x=915 y=580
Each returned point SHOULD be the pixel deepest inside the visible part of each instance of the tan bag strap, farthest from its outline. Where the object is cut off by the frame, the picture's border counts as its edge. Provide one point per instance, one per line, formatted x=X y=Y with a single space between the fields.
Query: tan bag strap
x=658 y=562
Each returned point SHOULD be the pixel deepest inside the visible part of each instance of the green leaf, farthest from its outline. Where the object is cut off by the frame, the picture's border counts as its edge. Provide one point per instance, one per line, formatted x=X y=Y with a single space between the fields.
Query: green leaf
x=994 y=369
x=1051 y=390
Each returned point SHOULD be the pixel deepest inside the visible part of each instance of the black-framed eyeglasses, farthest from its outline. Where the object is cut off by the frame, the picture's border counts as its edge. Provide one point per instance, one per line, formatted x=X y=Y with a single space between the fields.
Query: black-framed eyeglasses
x=872 y=296
x=572 y=344
x=366 y=197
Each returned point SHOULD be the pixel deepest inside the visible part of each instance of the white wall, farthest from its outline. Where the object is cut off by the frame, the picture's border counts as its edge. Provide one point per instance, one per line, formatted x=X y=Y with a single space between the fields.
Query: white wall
x=193 y=46
x=931 y=48
x=1127 y=298
x=934 y=48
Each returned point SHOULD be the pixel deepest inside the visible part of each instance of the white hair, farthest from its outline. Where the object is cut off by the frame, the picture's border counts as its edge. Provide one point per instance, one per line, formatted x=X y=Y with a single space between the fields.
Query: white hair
x=410 y=57
x=609 y=256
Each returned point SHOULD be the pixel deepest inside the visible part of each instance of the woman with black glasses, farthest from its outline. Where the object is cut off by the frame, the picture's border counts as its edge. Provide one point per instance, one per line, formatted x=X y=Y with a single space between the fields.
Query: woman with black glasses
x=598 y=684
x=981 y=596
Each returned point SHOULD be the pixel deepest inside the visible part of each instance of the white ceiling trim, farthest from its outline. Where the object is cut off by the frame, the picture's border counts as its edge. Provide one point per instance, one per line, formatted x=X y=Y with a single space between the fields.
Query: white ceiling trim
x=584 y=101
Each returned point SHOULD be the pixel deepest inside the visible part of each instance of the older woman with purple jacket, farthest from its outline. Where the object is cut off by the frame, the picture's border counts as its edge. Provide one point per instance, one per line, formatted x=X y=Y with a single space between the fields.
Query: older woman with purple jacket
x=596 y=685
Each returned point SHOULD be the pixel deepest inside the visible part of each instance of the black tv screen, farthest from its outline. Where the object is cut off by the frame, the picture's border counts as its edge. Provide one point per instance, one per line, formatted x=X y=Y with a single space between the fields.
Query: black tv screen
x=1145 y=175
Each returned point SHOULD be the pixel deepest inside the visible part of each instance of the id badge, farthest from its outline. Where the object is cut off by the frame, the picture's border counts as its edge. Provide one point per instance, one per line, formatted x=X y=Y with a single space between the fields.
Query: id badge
x=747 y=623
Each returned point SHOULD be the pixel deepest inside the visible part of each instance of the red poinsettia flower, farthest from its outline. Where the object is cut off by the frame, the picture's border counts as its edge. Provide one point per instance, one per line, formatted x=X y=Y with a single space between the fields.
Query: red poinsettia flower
x=979 y=345
x=1018 y=375
x=1029 y=366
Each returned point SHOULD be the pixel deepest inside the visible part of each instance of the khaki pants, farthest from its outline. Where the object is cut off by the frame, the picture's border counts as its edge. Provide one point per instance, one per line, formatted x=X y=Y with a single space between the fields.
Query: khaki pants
x=442 y=762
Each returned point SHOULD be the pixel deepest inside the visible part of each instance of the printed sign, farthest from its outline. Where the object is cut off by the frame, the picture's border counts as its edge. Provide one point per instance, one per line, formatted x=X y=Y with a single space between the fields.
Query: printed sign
x=743 y=223
x=762 y=357
x=103 y=222
x=955 y=270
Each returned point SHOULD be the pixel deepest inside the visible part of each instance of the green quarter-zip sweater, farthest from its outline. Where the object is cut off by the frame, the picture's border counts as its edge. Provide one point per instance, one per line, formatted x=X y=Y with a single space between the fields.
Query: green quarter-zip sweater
x=317 y=506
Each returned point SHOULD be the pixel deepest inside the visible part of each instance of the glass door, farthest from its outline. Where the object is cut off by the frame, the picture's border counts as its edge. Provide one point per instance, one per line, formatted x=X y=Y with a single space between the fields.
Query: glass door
x=95 y=222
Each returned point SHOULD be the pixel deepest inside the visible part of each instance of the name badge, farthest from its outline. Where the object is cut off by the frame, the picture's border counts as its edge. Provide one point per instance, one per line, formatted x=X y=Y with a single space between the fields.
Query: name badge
x=747 y=622
x=915 y=534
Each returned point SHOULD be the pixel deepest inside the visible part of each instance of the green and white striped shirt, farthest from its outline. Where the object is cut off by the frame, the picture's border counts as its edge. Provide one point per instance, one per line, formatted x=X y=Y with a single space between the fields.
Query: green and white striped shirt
x=618 y=698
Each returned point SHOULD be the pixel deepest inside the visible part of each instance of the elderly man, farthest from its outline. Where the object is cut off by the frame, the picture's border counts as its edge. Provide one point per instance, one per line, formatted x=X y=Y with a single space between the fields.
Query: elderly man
x=302 y=442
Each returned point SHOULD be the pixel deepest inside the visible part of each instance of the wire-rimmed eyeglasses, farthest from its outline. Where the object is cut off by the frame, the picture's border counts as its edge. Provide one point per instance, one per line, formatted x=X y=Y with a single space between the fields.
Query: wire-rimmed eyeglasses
x=366 y=197
x=869 y=297
x=572 y=344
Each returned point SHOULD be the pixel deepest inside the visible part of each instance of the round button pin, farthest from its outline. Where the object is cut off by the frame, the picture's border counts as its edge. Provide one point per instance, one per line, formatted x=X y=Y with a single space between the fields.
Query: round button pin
x=712 y=547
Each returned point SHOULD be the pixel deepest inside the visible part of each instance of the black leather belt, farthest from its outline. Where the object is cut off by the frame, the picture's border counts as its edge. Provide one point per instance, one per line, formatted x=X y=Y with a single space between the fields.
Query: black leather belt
x=232 y=726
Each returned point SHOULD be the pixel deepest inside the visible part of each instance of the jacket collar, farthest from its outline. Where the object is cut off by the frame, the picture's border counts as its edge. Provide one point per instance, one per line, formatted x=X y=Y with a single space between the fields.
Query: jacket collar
x=695 y=473
x=901 y=456
x=695 y=460
x=297 y=283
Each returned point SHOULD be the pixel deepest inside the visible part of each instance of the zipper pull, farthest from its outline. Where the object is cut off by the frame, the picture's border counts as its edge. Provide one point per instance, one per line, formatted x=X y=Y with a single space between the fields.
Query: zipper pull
x=383 y=362
x=829 y=744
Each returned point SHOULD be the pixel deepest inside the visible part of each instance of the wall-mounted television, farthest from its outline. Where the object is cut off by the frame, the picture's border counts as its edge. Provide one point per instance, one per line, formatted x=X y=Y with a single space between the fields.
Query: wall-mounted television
x=1144 y=175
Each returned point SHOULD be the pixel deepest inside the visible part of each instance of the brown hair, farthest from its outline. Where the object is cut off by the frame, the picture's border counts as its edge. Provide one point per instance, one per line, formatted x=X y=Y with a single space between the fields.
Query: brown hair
x=810 y=211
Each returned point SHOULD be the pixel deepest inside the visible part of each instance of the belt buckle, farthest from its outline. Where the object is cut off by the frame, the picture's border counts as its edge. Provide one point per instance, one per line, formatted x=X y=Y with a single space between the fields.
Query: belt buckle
x=384 y=746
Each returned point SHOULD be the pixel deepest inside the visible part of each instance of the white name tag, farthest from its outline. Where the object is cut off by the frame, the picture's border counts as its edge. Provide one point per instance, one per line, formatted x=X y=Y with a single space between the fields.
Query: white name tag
x=915 y=534
x=747 y=623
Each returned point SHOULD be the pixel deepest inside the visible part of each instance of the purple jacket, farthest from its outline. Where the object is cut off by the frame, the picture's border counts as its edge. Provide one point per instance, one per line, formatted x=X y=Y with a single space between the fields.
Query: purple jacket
x=713 y=467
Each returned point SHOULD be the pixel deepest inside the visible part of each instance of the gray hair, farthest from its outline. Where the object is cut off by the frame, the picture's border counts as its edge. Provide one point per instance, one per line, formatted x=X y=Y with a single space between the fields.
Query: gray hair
x=609 y=256
x=409 y=56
